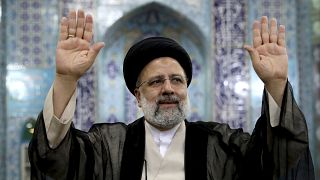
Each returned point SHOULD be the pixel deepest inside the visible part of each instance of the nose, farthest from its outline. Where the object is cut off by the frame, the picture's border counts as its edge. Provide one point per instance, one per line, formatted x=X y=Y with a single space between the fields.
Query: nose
x=167 y=87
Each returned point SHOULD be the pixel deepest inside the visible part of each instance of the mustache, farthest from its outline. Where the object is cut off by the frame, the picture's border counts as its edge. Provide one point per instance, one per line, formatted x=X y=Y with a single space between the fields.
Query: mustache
x=168 y=99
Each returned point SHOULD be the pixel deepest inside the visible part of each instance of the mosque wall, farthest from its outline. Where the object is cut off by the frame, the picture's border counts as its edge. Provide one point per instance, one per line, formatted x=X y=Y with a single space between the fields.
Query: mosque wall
x=2 y=96
x=212 y=31
x=316 y=80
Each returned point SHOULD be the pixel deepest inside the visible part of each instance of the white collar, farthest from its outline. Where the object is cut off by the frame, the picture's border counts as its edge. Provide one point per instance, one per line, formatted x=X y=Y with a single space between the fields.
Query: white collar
x=162 y=138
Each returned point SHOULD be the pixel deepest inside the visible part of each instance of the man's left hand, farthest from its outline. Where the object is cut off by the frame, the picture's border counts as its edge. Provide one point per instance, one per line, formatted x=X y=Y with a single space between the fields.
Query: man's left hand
x=269 y=56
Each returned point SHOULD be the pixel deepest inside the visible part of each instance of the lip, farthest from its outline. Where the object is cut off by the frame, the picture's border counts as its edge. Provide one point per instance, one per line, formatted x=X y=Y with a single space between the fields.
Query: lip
x=168 y=105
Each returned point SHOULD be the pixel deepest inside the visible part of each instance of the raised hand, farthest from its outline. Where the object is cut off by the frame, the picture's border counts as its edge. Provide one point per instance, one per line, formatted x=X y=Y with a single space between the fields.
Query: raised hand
x=74 y=55
x=269 y=56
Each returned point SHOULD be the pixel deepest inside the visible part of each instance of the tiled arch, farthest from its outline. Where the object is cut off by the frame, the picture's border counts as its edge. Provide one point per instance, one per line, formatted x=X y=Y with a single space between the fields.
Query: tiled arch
x=152 y=19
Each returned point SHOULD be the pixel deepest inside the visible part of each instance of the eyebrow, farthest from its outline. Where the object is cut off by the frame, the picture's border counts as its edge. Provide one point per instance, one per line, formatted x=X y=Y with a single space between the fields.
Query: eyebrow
x=163 y=76
x=139 y=81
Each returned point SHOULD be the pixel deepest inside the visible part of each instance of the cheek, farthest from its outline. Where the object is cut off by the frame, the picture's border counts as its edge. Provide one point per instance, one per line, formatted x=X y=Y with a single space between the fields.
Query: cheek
x=150 y=96
x=182 y=94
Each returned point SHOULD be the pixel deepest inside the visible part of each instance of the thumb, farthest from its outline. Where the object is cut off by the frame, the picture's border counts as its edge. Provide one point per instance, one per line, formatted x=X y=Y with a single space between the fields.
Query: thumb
x=254 y=55
x=94 y=50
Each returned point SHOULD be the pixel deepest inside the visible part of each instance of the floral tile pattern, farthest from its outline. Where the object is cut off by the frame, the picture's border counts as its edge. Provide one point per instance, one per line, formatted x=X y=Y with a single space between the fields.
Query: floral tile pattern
x=224 y=89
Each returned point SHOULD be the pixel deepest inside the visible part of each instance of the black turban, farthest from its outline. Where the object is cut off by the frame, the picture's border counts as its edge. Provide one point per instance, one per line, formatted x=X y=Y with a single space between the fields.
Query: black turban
x=146 y=50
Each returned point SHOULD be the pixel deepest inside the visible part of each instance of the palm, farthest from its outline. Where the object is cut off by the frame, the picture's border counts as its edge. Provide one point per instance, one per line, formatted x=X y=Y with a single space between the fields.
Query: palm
x=273 y=63
x=268 y=54
x=74 y=55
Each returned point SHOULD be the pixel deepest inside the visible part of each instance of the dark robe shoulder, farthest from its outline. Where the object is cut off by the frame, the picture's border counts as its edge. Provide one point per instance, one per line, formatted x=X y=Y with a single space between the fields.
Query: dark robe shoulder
x=212 y=150
x=81 y=155
x=280 y=152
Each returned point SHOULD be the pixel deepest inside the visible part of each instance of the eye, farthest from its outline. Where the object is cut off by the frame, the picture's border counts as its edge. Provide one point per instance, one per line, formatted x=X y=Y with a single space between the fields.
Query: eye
x=177 y=80
x=155 y=82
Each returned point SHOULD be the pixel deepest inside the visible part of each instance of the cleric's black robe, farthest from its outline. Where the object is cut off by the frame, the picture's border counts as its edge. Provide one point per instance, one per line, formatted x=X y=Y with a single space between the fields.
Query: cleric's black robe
x=212 y=150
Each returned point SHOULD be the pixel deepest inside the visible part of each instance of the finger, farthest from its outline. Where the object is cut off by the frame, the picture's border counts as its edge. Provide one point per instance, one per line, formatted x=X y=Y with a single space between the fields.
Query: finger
x=63 y=29
x=273 y=31
x=94 y=50
x=254 y=55
x=88 y=32
x=80 y=24
x=256 y=37
x=72 y=22
x=264 y=29
x=282 y=36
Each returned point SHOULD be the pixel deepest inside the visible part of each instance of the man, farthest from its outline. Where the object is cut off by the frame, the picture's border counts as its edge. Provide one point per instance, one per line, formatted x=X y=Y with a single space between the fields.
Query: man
x=163 y=145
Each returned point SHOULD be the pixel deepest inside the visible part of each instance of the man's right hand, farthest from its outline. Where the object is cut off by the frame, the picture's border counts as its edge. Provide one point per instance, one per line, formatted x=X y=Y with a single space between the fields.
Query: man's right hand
x=74 y=56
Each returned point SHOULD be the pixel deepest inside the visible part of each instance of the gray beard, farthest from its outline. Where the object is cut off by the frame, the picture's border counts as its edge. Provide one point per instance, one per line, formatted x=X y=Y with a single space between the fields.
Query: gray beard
x=165 y=118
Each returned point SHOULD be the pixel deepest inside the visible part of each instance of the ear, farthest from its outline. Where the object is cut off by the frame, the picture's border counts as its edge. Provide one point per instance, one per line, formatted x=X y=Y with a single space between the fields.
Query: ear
x=138 y=97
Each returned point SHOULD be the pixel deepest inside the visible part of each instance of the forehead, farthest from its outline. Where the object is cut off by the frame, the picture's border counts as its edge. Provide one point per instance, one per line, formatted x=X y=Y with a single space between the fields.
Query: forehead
x=161 y=66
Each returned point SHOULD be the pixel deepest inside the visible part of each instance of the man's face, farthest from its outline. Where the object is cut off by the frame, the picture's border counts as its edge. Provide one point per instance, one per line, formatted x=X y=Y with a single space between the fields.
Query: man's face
x=162 y=93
